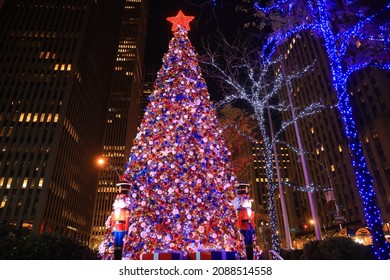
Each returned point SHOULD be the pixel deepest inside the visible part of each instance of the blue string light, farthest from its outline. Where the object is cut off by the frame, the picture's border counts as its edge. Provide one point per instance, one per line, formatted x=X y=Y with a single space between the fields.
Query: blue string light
x=336 y=46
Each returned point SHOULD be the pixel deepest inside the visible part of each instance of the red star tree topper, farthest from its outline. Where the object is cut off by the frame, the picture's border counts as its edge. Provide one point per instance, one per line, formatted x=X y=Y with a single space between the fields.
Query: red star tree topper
x=180 y=19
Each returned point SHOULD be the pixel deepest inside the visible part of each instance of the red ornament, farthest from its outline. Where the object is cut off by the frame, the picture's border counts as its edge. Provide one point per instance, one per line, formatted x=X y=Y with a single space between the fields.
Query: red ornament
x=180 y=19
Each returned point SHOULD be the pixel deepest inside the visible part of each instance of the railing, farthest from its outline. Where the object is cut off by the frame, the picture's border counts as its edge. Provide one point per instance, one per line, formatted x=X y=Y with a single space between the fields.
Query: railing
x=273 y=255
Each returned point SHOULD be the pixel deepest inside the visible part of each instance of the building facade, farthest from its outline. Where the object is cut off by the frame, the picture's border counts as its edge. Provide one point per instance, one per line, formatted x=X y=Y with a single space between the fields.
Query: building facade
x=55 y=62
x=327 y=154
x=123 y=110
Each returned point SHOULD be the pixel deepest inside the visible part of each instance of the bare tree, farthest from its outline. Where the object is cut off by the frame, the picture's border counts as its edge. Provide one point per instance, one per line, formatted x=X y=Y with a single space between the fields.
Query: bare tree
x=242 y=76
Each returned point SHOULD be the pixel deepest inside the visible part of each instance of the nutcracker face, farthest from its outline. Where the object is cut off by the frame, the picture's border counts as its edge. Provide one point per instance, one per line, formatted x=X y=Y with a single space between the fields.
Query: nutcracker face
x=242 y=201
x=246 y=202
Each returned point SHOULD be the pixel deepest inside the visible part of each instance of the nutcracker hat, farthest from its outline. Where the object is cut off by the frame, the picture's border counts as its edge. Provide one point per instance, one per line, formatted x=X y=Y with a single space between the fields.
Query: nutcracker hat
x=242 y=188
x=123 y=187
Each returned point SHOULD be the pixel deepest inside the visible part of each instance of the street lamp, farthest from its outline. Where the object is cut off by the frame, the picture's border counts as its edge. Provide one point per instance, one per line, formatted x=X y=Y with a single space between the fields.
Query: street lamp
x=329 y=193
x=103 y=162
x=310 y=195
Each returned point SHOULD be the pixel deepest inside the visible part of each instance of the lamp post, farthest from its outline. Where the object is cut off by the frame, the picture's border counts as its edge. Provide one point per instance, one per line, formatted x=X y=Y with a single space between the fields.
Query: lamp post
x=325 y=167
x=310 y=195
x=101 y=161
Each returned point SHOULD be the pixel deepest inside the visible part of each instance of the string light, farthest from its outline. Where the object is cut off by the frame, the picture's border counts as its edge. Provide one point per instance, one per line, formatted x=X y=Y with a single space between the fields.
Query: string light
x=336 y=43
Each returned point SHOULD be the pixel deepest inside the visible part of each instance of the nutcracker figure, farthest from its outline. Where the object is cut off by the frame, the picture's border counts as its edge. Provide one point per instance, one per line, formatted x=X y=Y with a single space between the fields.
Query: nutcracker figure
x=245 y=217
x=120 y=218
x=246 y=224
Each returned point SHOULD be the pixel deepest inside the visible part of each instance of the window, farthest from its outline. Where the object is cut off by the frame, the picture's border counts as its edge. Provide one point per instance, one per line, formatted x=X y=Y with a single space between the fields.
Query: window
x=40 y=183
x=3 y=201
x=9 y=182
x=25 y=181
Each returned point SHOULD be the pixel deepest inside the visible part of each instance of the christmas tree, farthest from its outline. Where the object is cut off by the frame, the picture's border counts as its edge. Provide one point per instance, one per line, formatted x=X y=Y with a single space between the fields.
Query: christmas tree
x=182 y=181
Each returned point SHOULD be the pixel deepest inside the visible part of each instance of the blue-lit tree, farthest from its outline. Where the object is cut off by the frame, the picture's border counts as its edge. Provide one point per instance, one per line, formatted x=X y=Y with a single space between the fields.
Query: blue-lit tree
x=354 y=37
x=242 y=76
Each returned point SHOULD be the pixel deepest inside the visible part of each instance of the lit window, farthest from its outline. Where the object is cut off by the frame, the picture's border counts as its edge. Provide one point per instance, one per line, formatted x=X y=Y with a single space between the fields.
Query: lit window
x=35 y=118
x=48 y=117
x=1 y=182
x=3 y=201
x=25 y=181
x=47 y=55
x=55 y=118
x=42 y=117
x=340 y=149
x=40 y=183
x=69 y=67
x=56 y=67
x=28 y=118
x=62 y=67
x=332 y=168
x=312 y=130
x=9 y=183
x=366 y=140
x=41 y=55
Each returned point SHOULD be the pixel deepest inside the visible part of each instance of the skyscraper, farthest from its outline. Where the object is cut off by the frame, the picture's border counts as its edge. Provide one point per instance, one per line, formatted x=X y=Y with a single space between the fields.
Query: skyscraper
x=337 y=200
x=56 y=62
x=123 y=110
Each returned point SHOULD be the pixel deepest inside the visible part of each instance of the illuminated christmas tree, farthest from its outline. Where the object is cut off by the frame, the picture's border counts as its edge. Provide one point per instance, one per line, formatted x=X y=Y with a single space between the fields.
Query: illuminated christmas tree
x=182 y=183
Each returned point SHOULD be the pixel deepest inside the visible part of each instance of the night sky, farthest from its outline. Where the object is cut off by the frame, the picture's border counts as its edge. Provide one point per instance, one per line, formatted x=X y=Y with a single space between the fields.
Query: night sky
x=208 y=20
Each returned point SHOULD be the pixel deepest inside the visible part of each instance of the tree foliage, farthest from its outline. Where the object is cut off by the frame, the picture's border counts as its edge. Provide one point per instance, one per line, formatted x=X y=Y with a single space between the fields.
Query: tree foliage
x=333 y=248
x=21 y=245
x=336 y=248
x=239 y=129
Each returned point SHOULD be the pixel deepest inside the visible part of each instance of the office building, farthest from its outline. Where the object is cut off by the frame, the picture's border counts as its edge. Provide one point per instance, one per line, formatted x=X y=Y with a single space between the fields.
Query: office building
x=336 y=197
x=123 y=110
x=55 y=63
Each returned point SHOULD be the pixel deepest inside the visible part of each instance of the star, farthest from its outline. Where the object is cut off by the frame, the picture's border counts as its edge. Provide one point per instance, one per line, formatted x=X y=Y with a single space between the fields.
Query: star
x=180 y=19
